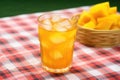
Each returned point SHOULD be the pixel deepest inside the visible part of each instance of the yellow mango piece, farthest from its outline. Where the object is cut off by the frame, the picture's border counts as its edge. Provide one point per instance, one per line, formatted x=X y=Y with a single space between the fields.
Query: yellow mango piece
x=100 y=10
x=113 y=18
x=115 y=28
x=85 y=17
x=118 y=24
x=104 y=25
x=116 y=19
x=119 y=21
x=113 y=10
x=89 y=25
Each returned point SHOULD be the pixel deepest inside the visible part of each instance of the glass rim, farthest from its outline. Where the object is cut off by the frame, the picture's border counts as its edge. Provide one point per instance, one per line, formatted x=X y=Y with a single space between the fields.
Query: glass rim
x=49 y=15
x=52 y=13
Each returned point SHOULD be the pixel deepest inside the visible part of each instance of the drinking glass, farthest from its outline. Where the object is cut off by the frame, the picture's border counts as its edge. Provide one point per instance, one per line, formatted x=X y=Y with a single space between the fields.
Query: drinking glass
x=56 y=36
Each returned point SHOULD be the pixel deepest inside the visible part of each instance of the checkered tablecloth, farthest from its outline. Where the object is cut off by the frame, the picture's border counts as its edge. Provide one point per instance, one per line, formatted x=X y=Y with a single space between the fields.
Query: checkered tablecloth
x=20 y=55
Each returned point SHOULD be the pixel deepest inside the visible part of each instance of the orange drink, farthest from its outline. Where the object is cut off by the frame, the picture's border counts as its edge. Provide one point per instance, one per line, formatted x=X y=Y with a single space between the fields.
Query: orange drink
x=56 y=36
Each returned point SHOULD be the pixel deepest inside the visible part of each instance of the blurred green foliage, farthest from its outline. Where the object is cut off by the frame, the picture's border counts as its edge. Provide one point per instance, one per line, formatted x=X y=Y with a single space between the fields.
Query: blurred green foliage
x=16 y=7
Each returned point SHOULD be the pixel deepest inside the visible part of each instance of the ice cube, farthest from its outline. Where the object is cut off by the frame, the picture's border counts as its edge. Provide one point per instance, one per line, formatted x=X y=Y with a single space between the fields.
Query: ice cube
x=58 y=27
x=47 y=22
x=57 y=38
x=66 y=23
x=47 y=27
x=62 y=25
x=55 y=18
x=56 y=55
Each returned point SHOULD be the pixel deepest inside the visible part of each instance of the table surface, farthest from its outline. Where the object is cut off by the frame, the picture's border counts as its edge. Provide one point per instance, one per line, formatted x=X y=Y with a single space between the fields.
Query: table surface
x=20 y=55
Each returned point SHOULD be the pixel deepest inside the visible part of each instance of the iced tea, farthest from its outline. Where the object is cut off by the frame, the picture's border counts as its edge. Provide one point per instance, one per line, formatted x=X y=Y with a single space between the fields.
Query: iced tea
x=56 y=42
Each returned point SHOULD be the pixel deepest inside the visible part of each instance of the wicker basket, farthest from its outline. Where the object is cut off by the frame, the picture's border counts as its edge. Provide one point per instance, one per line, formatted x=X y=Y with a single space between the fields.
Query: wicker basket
x=97 y=38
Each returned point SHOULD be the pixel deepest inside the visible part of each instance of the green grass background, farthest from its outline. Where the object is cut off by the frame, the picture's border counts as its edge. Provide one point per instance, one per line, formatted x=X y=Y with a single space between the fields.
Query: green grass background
x=17 y=7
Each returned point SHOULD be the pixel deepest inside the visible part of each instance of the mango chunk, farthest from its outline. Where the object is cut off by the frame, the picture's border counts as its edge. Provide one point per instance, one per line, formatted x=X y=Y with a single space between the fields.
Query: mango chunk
x=115 y=28
x=85 y=17
x=100 y=17
x=89 y=25
x=113 y=10
x=100 y=10
x=104 y=25
x=119 y=21
x=113 y=18
x=119 y=24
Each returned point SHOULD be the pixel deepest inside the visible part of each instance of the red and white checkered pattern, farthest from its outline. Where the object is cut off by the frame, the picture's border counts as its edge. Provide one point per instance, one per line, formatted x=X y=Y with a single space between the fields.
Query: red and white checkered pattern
x=20 y=57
